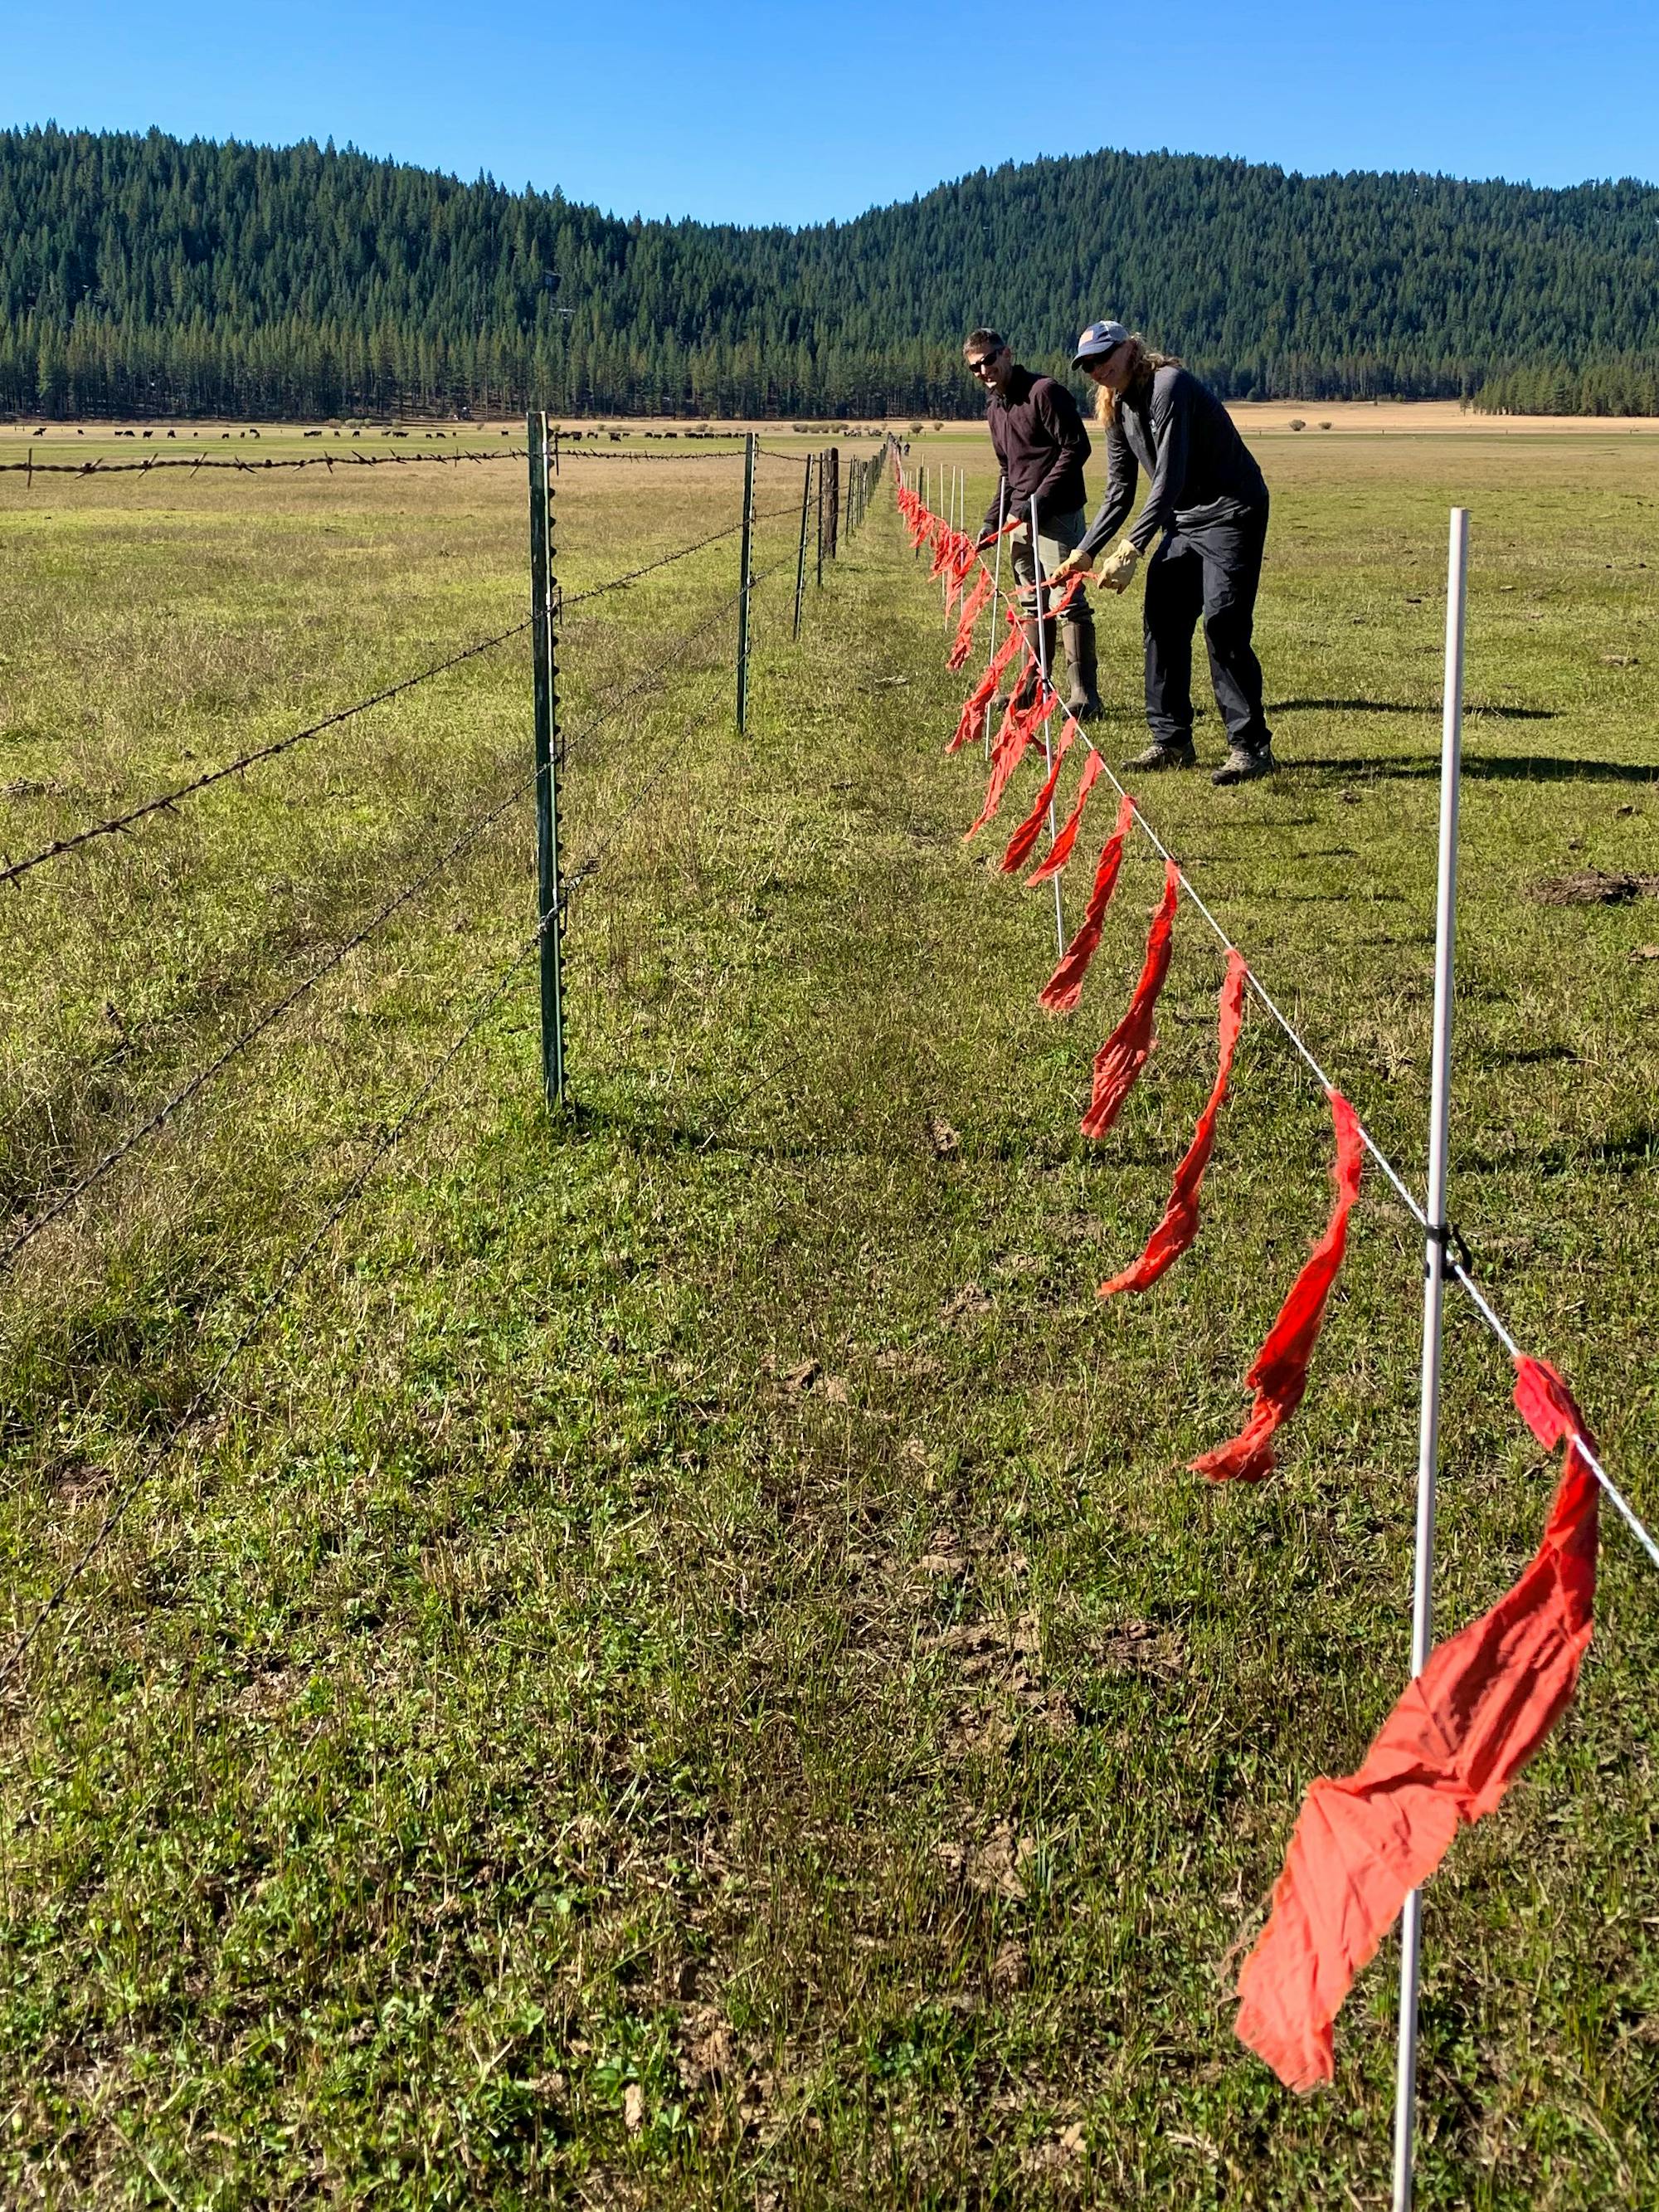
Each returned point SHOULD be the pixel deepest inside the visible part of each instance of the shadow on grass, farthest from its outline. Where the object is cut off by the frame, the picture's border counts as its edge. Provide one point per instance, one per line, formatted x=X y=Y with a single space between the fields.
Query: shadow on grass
x=1484 y=768
x=1401 y=707
x=1618 y=1152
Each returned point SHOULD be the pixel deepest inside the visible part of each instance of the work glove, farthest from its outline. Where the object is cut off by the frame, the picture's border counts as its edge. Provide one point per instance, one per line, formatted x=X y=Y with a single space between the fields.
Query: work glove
x=1074 y=564
x=1119 y=566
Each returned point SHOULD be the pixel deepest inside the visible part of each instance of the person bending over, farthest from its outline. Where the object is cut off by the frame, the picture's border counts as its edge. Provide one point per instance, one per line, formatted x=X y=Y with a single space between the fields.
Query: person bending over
x=1041 y=446
x=1207 y=497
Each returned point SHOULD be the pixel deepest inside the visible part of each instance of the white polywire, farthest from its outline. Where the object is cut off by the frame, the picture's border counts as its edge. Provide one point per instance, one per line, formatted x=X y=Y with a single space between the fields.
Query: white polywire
x=1458 y=1273
x=1040 y=607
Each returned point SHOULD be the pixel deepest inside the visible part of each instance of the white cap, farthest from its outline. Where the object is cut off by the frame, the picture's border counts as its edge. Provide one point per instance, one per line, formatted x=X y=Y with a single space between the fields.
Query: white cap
x=1097 y=341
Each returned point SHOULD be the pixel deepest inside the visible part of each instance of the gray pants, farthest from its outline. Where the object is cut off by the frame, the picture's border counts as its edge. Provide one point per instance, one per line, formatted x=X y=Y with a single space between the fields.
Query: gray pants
x=1057 y=537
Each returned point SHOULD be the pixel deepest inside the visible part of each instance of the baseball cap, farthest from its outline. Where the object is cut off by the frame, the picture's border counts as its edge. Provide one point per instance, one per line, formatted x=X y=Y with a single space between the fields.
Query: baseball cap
x=1097 y=341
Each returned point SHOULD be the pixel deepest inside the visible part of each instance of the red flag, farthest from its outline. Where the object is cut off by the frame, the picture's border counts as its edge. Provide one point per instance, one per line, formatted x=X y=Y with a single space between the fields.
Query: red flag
x=1179 y=1226
x=1013 y=740
x=1444 y=1756
x=1060 y=851
x=1280 y=1373
x=1126 y=1052
x=972 y=610
x=970 y=725
x=1060 y=994
x=1020 y=844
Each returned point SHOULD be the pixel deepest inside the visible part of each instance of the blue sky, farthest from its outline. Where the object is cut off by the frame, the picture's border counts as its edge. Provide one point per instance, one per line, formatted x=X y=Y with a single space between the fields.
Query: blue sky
x=795 y=114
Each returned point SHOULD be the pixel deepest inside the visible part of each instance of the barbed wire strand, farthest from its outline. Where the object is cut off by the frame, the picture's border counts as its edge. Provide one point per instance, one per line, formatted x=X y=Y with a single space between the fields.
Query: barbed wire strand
x=16 y=870
x=1454 y=1268
x=199 y=1081
x=152 y=1459
x=568 y=599
x=165 y=1112
x=97 y=465
x=573 y=452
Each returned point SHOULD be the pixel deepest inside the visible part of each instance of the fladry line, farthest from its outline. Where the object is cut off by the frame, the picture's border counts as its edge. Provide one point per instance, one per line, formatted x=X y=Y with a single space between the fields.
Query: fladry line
x=1454 y=1268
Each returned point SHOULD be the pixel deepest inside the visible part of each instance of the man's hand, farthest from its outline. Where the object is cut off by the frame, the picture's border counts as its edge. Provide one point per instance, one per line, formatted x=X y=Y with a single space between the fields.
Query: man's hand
x=1074 y=564
x=1119 y=566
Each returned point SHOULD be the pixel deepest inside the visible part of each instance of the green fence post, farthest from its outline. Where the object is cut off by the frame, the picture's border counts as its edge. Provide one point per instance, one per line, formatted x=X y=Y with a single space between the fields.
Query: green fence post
x=550 y=890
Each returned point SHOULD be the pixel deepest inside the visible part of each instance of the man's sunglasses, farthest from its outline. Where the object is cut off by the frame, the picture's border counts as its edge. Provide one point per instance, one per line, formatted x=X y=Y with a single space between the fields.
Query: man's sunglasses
x=982 y=363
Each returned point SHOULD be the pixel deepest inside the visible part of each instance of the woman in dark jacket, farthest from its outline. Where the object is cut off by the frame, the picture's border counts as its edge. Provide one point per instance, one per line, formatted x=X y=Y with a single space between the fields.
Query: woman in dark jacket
x=1207 y=498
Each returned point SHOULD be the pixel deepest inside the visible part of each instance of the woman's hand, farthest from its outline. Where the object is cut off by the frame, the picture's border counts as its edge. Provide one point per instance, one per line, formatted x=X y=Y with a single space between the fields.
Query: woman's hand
x=1120 y=566
x=1074 y=564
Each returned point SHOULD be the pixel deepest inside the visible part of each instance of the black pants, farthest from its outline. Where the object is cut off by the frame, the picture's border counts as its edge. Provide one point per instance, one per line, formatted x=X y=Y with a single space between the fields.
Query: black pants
x=1212 y=569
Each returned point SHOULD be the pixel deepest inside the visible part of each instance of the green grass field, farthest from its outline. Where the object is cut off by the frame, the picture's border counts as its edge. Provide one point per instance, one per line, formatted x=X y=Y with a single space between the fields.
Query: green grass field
x=681 y=1667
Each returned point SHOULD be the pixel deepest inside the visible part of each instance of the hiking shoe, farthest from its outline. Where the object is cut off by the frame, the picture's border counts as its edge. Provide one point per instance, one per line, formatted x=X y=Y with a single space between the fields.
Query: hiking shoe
x=1243 y=764
x=1157 y=756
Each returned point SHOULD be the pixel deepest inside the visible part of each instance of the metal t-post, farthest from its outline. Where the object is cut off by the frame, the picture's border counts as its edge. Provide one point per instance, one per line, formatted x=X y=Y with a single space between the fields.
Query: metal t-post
x=1434 y=1283
x=550 y=890
x=1043 y=666
x=745 y=578
x=800 y=558
x=823 y=472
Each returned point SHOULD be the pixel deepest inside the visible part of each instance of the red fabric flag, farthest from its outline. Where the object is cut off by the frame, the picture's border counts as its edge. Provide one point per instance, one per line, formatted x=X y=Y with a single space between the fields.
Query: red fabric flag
x=1179 y=1226
x=1060 y=994
x=1279 y=1375
x=1014 y=739
x=976 y=713
x=1445 y=1755
x=1020 y=844
x=972 y=610
x=1126 y=1052
x=1060 y=851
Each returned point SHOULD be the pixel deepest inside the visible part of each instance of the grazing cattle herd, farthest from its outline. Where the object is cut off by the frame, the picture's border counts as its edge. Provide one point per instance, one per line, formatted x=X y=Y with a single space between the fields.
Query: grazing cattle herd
x=568 y=435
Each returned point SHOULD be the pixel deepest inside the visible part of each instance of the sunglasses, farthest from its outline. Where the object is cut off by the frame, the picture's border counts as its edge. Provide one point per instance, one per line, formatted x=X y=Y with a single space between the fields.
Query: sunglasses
x=979 y=367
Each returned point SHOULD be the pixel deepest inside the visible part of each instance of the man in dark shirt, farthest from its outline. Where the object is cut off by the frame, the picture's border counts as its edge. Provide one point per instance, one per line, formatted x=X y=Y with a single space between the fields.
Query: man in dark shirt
x=1040 y=446
x=1207 y=498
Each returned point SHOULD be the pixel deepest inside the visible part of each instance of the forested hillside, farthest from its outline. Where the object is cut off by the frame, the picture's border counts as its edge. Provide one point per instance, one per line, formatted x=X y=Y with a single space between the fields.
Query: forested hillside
x=147 y=276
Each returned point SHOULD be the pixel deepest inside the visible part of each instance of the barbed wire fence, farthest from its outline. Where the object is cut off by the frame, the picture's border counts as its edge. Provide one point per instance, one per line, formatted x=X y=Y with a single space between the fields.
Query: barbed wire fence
x=554 y=748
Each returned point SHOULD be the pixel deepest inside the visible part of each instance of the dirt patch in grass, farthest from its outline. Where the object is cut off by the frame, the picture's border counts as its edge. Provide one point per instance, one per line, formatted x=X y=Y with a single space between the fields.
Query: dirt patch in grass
x=1592 y=887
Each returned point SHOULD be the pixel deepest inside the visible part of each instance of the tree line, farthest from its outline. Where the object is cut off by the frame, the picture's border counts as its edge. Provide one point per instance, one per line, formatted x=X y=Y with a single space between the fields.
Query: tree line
x=145 y=275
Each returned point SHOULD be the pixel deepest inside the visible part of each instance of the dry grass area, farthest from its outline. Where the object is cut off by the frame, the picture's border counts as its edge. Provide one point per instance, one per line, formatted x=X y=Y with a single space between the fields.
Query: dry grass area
x=680 y=1666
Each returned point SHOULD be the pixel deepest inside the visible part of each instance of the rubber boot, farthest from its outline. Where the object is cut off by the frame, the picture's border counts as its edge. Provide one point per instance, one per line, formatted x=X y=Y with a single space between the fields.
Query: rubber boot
x=1083 y=702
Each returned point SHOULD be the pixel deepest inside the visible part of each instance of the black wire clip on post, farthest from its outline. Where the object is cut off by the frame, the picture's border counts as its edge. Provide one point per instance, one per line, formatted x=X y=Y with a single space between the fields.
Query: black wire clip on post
x=550 y=891
x=745 y=579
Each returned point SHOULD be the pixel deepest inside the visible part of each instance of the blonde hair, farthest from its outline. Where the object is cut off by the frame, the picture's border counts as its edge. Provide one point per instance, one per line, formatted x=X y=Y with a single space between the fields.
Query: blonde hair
x=1144 y=366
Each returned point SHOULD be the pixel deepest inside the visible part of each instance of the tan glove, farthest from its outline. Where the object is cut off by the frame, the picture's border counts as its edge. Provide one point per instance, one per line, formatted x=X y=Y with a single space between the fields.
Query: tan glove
x=1074 y=564
x=1119 y=566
